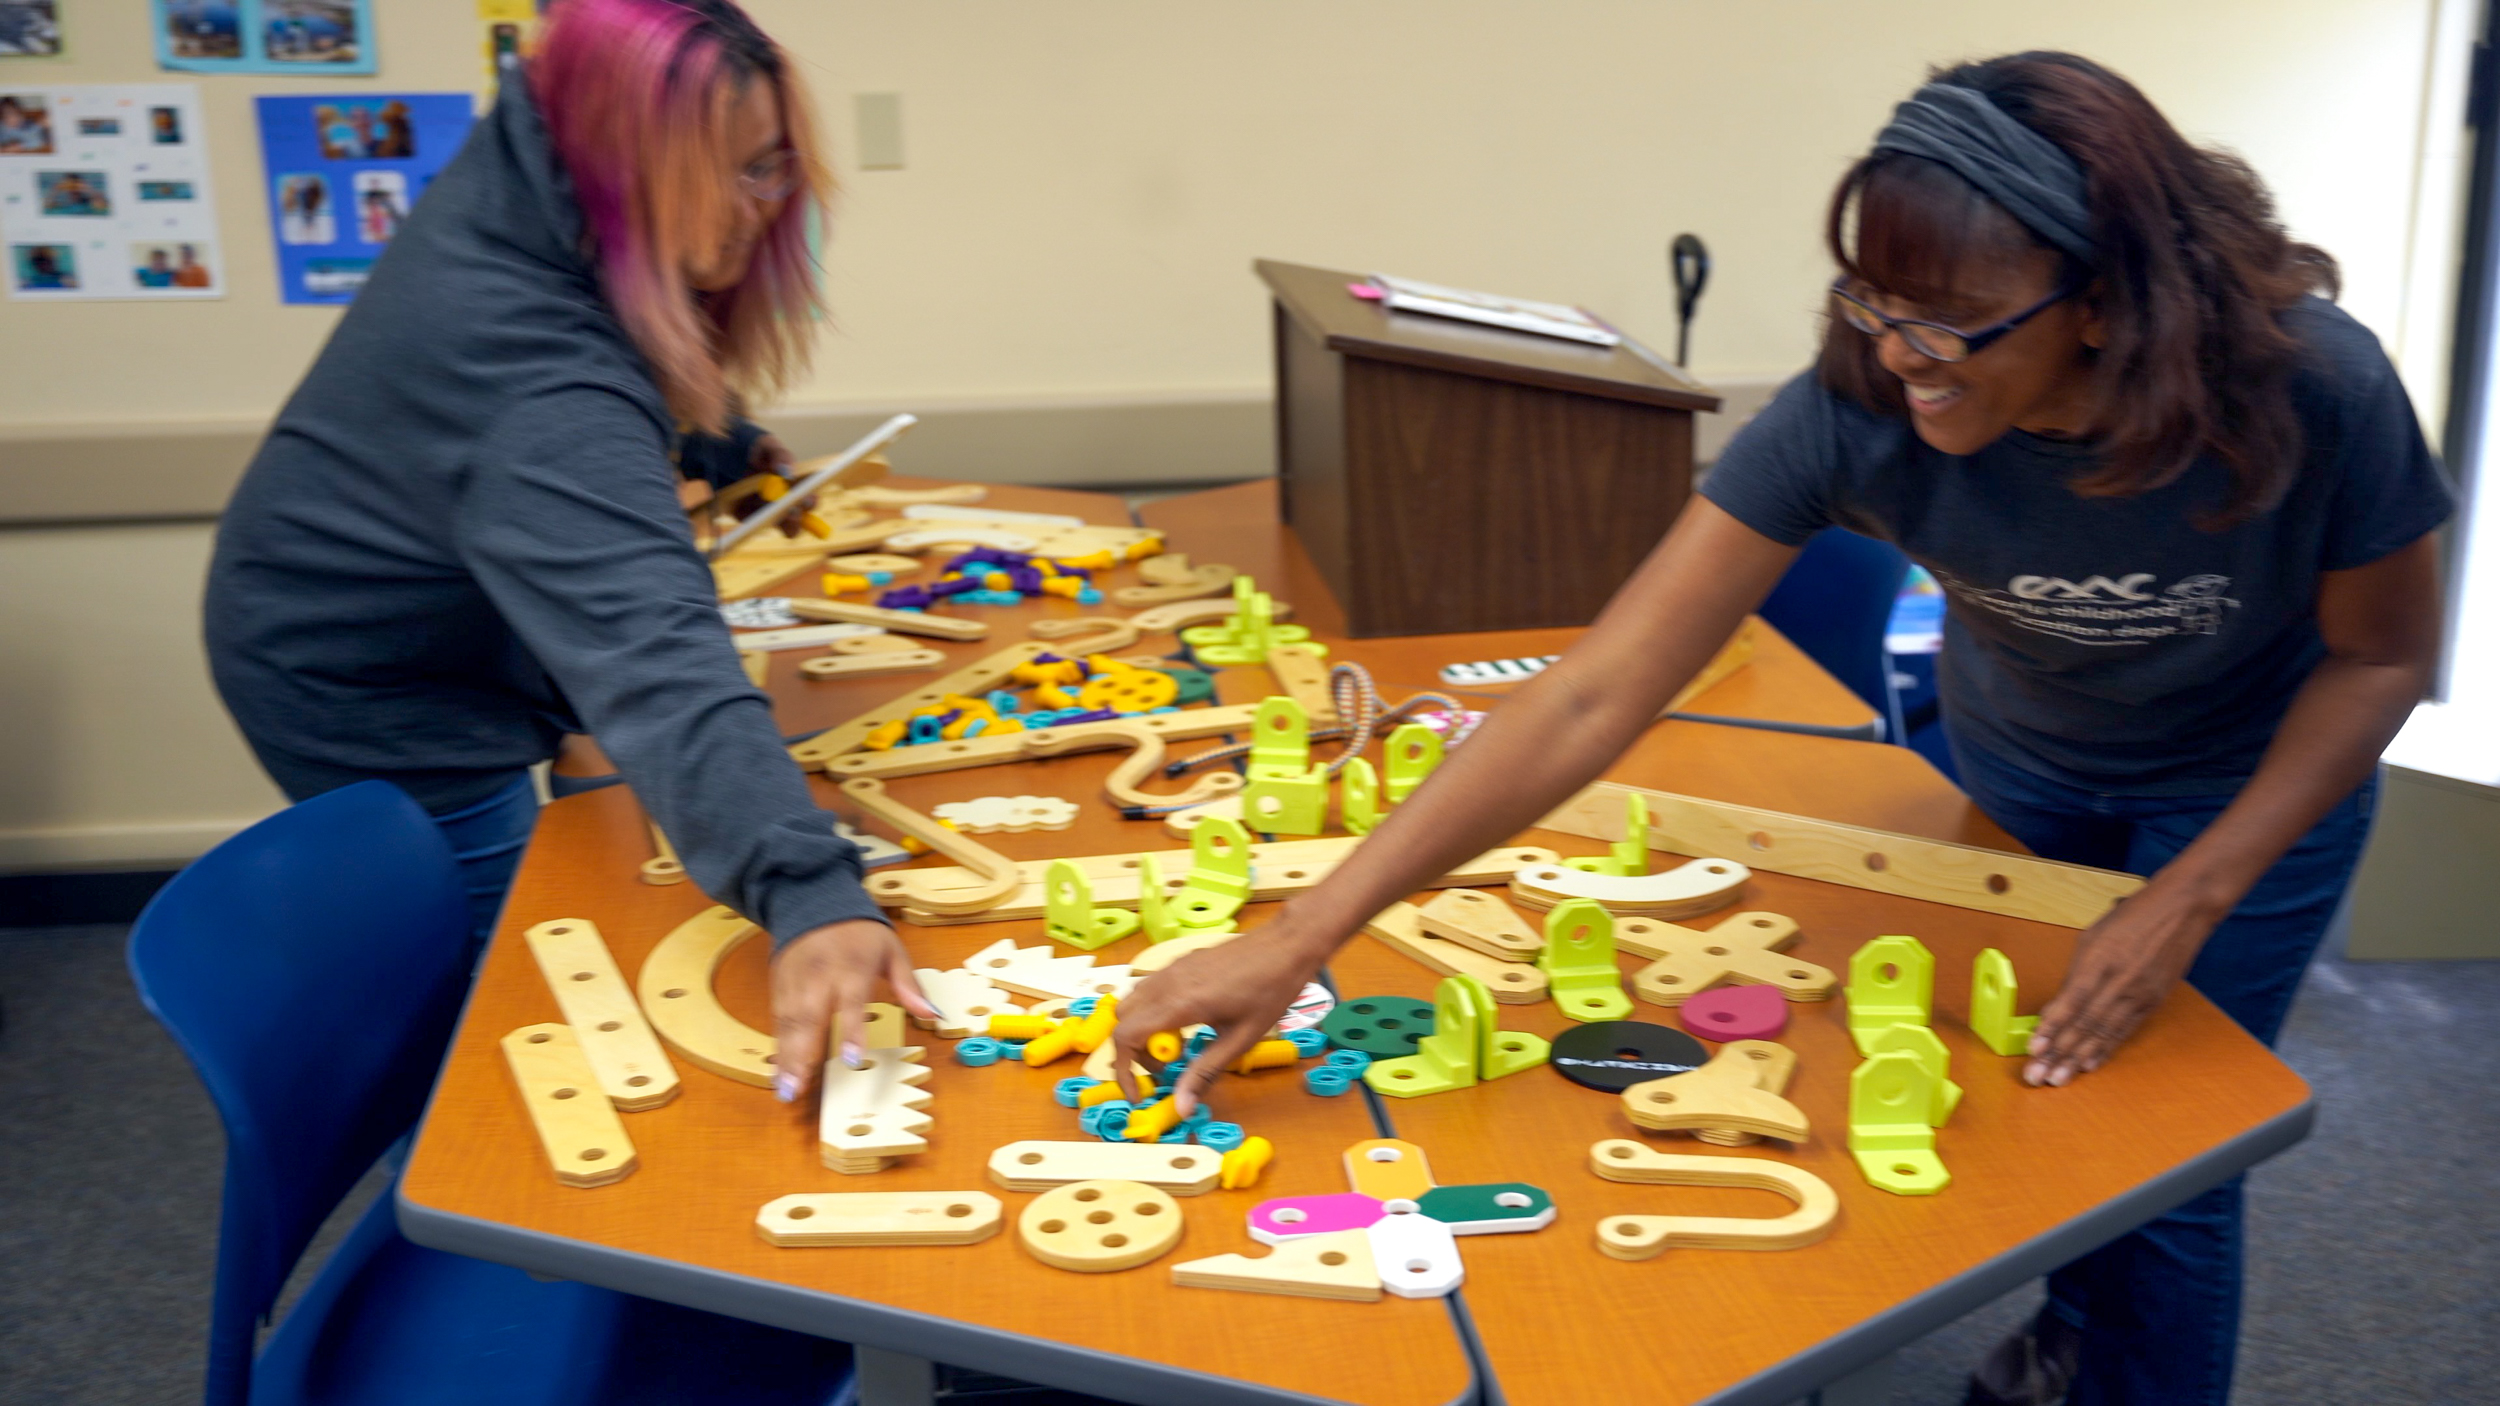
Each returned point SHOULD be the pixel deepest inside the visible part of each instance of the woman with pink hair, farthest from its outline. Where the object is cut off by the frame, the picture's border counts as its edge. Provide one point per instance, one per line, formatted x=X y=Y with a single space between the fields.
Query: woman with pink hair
x=462 y=539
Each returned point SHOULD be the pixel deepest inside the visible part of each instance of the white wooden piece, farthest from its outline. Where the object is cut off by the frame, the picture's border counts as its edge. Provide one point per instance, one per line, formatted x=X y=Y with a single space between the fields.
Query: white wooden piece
x=1415 y=1255
x=583 y=1137
x=870 y=1114
x=1042 y=972
x=1337 y=1265
x=916 y=539
x=1012 y=815
x=965 y=1001
x=1695 y=887
x=1386 y=1169
x=633 y=1070
x=943 y=515
x=880 y=1218
x=1180 y=1168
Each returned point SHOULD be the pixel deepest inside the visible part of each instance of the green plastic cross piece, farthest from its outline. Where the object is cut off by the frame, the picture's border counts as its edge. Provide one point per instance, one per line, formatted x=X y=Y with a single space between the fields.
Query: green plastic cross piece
x=1413 y=751
x=1444 y=1060
x=1287 y=805
x=1245 y=637
x=1154 y=907
x=1069 y=914
x=1219 y=874
x=1892 y=981
x=1358 y=797
x=1629 y=856
x=1921 y=1041
x=1892 y=1125
x=1579 y=962
x=1992 y=1016
x=1280 y=740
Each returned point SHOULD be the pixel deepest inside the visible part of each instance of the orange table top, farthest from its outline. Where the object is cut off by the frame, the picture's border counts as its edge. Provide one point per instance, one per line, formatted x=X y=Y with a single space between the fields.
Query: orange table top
x=2038 y=1174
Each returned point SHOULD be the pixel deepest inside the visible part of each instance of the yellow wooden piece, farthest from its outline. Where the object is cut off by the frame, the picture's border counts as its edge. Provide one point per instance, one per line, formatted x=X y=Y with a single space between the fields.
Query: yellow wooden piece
x=1643 y=1237
x=1095 y=1227
x=1962 y=876
x=980 y=677
x=584 y=1138
x=902 y=622
x=758 y=665
x=1040 y=1165
x=1687 y=889
x=1767 y=1065
x=880 y=1218
x=632 y=1069
x=1479 y=920
x=1302 y=673
x=999 y=876
x=1719 y=1097
x=1741 y=951
x=1400 y=926
x=1337 y=1265
x=663 y=867
x=1386 y=1169
x=675 y=988
x=881 y=660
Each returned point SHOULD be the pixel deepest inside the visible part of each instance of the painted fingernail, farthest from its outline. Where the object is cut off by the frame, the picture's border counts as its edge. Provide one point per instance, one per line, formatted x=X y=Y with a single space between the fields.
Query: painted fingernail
x=2064 y=1073
x=2034 y=1072
x=2091 y=1064
x=851 y=1055
x=2039 y=1045
x=786 y=1087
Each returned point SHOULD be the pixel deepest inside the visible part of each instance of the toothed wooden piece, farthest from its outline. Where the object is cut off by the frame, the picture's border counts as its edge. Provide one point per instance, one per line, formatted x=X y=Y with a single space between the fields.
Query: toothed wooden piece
x=1400 y=926
x=965 y=1001
x=632 y=1069
x=1178 y=1168
x=1642 y=1237
x=871 y=1114
x=1043 y=973
x=1479 y=920
x=880 y=1218
x=583 y=1137
x=1337 y=1265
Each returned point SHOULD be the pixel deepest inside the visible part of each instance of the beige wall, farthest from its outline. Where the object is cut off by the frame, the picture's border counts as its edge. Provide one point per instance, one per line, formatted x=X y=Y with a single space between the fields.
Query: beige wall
x=1070 y=242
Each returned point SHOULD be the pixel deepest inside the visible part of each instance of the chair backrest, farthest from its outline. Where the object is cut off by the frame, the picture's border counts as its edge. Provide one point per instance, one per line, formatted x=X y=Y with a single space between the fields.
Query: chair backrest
x=1834 y=604
x=311 y=968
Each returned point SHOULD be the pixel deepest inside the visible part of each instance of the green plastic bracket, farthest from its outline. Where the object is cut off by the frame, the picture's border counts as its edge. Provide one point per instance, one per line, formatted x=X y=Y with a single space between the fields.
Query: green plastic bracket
x=1892 y=1125
x=1248 y=633
x=1413 y=751
x=1629 y=856
x=1280 y=740
x=1579 y=962
x=1287 y=805
x=1892 y=981
x=1992 y=1016
x=1358 y=797
x=1921 y=1041
x=1465 y=1046
x=1219 y=874
x=1154 y=907
x=1069 y=914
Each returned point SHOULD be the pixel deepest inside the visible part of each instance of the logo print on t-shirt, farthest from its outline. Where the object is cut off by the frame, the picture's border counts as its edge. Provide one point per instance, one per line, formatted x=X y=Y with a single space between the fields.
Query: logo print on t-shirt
x=2104 y=610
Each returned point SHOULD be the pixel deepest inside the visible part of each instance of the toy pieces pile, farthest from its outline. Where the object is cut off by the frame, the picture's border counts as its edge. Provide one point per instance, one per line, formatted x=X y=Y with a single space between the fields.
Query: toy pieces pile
x=996 y=576
x=1095 y=689
x=880 y=1218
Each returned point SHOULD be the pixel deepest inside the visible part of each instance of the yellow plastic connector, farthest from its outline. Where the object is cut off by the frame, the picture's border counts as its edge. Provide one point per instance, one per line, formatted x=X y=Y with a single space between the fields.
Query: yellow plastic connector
x=1243 y=1165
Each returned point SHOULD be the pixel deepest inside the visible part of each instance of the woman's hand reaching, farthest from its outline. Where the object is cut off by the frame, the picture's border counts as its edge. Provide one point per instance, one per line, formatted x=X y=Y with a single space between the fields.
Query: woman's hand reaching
x=1240 y=988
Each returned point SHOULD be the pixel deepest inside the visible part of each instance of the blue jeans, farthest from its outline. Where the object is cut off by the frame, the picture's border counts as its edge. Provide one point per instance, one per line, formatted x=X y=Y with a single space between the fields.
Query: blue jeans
x=487 y=837
x=2160 y=1307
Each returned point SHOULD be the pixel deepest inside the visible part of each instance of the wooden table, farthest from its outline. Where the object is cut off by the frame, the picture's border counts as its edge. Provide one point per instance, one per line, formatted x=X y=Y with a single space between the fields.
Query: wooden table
x=2038 y=1175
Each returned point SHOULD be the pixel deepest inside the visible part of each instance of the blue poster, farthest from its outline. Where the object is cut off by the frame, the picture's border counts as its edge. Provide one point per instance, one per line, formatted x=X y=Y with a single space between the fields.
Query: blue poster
x=264 y=36
x=342 y=175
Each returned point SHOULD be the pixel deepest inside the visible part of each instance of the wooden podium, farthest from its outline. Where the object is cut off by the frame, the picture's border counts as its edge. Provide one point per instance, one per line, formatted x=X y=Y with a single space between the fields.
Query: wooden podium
x=1448 y=477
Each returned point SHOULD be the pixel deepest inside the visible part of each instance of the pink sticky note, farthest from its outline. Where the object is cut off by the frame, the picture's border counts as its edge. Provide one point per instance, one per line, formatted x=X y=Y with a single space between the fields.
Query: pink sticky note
x=1736 y=1013
x=1365 y=291
x=1292 y=1217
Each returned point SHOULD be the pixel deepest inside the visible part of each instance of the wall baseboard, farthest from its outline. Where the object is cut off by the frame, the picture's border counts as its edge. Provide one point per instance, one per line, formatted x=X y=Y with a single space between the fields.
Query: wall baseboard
x=100 y=847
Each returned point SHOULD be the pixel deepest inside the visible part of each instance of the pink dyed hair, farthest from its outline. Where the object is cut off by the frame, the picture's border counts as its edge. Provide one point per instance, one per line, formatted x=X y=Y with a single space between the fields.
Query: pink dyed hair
x=635 y=95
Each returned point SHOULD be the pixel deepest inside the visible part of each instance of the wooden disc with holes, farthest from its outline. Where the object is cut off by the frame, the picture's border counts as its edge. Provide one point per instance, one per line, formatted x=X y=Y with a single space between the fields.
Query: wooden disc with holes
x=1094 y=1227
x=1613 y=1055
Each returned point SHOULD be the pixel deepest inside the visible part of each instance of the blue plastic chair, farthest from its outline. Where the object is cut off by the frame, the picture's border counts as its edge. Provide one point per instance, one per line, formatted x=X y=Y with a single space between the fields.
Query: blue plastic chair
x=312 y=968
x=1834 y=604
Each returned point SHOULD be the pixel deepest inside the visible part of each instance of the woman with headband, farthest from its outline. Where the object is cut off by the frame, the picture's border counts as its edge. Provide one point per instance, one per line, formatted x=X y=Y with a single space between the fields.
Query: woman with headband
x=2181 y=511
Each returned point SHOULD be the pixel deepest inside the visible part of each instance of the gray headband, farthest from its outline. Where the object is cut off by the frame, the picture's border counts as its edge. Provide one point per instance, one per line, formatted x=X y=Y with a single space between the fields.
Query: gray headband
x=2031 y=176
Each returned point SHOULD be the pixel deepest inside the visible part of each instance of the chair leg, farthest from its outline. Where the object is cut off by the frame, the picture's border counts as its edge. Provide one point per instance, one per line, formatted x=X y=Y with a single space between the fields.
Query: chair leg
x=893 y=1378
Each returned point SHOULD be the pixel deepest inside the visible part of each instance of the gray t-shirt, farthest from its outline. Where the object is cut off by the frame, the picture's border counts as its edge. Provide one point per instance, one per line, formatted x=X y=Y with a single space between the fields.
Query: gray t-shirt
x=2110 y=643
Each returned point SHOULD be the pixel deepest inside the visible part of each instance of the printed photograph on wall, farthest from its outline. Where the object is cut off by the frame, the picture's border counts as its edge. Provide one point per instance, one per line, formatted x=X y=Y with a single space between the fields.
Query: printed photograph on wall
x=345 y=173
x=265 y=36
x=101 y=197
x=30 y=29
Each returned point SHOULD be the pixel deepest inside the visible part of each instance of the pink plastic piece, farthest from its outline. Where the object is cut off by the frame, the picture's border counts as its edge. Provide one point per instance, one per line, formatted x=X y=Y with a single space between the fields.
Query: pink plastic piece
x=1292 y=1217
x=1365 y=291
x=1736 y=1013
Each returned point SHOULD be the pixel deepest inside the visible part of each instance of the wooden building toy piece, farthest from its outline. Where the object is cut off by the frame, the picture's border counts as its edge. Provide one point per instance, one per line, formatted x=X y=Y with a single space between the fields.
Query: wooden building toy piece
x=1698 y=886
x=1400 y=926
x=675 y=989
x=917 y=539
x=1476 y=919
x=1071 y=916
x=1736 y=1013
x=1992 y=1016
x=944 y=515
x=1644 y=1237
x=874 y=850
x=1011 y=815
x=798 y=637
x=1302 y=672
x=879 y=496
x=1335 y=1266
x=580 y=1131
x=1164 y=954
x=1768 y=1065
x=1743 y=949
x=999 y=876
x=1041 y=1165
x=1921 y=1041
x=1171 y=583
x=1095 y=1227
x=1125 y=786
x=633 y=1071
x=1892 y=981
x=1415 y=1255
x=663 y=867
x=1496 y=1208
x=1895 y=1103
x=1879 y=861
x=869 y=663
x=869 y=563
x=757 y=664
x=1718 y=1098
x=1358 y=797
x=1000 y=749
x=901 y=622
x=1086 y=634
x=1627 y=858
x=870 y=1115
x=1386 y=1169
x=1181 y=614
x=965 y=1000
x=1297 y=1217
x=973 y=679
x=1042 y=973
x=1579 y=962
x=884 y=1029
x=1413 y=750
x=818 y=1218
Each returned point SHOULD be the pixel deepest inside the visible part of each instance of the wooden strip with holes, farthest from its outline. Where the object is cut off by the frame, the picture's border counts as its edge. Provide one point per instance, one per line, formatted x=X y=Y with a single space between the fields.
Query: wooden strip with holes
x=883 y=661
x=981 y=677
x=632 y=1069
x=1302 y=673
x=901 y=622
x=931 y=757
x=814 y=1218
x=584 y=1138
x=1278 y=869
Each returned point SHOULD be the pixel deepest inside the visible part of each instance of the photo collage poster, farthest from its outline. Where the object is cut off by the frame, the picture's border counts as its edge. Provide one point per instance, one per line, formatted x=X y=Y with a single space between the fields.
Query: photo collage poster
x=343 y=173
x=30 y=29
x=264 y=36
x=104 y=192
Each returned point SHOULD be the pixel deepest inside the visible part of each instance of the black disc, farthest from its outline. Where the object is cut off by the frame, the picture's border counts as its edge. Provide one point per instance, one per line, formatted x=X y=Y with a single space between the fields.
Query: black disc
x=1616 y=1054
x=1383 y=1027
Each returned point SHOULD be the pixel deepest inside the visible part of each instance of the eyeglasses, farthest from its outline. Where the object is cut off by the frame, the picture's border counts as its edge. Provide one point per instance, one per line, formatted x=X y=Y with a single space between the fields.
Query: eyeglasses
x=772 y=177
x=1934 y=340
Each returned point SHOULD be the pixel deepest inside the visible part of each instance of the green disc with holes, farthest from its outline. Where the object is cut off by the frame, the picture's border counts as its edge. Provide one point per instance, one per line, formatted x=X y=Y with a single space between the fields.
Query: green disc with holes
x=1383 y=1027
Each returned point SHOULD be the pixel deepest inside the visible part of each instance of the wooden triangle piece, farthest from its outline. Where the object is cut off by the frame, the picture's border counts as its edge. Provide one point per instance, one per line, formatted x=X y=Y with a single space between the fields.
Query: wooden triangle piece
x=1337 y=1265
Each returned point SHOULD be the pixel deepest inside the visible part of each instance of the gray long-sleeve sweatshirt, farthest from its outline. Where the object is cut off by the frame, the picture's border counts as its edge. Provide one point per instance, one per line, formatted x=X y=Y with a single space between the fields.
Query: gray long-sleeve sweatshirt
x=462 y=539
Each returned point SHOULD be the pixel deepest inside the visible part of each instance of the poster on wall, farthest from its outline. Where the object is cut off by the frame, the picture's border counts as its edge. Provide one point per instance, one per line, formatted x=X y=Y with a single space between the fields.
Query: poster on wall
x=343 y=173
x=104 y=192
x=30 y=29
x=264 y=36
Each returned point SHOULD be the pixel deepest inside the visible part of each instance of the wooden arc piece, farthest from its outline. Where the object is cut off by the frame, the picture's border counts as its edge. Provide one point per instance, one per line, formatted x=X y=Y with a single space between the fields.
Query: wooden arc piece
x=1400 y=926
x=871 y=663
x=1144 y=761
x=1643 y=1237
x=999 y=876
x=1076 y=635
x=675 y=987
x=1192 y=612
x=1695 y=887
x=580 y=1131
x=633 y=1070
x=880 y=1218
x=901 y=622
x=663 y=867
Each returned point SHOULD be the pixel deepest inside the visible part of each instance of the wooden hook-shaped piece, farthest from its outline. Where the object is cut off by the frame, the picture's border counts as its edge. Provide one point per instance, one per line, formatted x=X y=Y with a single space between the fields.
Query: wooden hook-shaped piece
x=998 y=875
x=1643 y=1237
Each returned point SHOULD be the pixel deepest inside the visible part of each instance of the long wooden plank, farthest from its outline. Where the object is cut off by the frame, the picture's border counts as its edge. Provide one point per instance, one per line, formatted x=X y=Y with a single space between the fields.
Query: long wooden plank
x=989 y=673
x=931 y=757
x=1879 y=861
